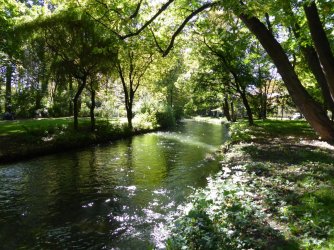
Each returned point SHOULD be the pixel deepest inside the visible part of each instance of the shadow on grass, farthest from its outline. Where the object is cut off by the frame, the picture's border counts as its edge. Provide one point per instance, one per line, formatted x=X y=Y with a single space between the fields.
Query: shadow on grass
x=300 y=188
x=288 y=153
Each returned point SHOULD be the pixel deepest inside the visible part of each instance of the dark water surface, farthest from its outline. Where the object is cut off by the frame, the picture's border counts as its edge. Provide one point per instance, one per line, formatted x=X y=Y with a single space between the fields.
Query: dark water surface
x=105 y=197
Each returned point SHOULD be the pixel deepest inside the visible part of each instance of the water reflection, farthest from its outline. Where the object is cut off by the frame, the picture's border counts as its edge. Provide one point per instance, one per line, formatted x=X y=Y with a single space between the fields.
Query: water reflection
x=116 y=196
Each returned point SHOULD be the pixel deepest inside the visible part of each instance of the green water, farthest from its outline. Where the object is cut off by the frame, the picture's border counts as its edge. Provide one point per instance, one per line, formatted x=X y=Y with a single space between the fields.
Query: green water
x=116 y=196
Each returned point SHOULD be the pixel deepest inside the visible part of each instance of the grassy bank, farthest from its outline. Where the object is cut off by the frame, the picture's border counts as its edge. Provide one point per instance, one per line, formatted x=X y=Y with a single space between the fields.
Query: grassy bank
x=23 y=139
x=275 y=191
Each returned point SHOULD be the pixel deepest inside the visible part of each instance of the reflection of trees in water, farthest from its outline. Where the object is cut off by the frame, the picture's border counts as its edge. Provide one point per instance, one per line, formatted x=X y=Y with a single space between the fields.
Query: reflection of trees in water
x=105 y=193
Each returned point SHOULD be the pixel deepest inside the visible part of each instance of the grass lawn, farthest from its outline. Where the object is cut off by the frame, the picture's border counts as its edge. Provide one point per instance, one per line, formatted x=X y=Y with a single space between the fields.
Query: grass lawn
x=19 y=127
x=275 y=191
x=31 y=137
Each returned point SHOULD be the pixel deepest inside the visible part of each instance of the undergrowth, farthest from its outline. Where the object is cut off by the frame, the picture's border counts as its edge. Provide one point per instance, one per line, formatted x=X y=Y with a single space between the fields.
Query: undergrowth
x=274 y=192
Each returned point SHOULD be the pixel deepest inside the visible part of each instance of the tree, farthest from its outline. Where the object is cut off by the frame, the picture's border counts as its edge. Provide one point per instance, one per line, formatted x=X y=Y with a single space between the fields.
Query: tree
x=9 y=47
x=80 y=48
x=321 y=43
x=312 y=111
x=132 y=64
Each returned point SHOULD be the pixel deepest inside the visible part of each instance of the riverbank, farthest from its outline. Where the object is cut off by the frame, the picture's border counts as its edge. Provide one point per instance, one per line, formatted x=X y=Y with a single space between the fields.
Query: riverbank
x=275 y=191
x=24 y=139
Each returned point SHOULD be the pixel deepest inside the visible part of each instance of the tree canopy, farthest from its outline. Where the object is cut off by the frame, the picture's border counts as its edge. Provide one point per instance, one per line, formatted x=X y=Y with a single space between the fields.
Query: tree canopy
x=216 y=54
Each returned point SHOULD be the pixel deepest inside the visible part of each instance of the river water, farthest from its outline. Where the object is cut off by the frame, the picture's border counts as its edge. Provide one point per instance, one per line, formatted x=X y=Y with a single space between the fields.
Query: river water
x=116 y=196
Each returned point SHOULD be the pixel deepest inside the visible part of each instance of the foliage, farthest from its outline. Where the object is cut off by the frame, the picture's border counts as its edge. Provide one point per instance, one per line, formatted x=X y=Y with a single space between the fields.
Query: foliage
x=153 y=114
x=240 y=132
x=166 y=117
x=269 y=194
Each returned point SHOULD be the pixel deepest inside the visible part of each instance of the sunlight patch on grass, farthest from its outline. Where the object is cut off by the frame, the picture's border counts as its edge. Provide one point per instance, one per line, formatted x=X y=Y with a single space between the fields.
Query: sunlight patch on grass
x=285 y=178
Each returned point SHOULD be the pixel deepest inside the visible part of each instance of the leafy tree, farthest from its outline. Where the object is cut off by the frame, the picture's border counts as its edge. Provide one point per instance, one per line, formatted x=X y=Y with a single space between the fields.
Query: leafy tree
x=248 y=13
x=80 y=48
x=132 y=64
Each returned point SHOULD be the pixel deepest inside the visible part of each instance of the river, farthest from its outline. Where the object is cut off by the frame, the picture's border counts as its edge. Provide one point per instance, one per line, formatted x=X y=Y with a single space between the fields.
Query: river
x=116 y=196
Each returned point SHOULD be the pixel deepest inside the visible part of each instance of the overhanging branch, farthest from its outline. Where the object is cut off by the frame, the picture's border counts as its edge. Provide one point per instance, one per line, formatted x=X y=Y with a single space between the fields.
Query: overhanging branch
x=184 y=23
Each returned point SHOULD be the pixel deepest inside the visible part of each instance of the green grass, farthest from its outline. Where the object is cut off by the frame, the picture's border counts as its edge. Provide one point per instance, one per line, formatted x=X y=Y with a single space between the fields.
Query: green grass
x=18 y=127
x=262 y=130
x=26 y=138
x=274 y=192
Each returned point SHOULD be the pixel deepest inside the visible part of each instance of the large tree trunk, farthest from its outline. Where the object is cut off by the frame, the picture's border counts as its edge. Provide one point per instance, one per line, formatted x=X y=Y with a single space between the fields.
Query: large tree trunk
x=312 y=111
x=8 y=91
x=76 y=102
x=313 y=62
x=321 y=43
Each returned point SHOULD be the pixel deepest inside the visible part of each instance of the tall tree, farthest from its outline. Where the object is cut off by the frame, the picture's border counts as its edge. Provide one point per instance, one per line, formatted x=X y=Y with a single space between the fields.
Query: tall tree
x=312 y=111
x=132 y=64
x=321 y=43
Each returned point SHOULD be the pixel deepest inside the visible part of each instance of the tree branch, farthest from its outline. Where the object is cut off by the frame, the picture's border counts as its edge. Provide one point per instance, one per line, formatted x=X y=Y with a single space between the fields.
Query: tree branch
x=137 y=10
x=162 y=9
x=156 y=42
x=184 y=23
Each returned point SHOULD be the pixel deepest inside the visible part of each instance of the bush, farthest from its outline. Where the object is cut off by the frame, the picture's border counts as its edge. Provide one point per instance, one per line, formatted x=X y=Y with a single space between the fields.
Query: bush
x=166 y=117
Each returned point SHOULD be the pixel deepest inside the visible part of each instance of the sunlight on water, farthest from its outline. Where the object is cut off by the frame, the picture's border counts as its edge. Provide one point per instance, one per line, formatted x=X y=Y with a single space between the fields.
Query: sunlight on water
x=188 y=140
x=119 y=196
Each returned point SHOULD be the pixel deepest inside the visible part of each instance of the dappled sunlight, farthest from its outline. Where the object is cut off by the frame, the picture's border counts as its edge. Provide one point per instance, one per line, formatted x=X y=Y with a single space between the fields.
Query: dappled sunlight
x=188 y=140
x=119 y=195
x=317 y=143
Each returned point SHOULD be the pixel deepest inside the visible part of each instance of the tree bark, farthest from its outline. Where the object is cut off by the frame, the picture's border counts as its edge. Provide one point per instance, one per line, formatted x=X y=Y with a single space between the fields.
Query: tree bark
x=312 y=111
x=129 y=112
x=321 y=43
x=313 y=62
x=76 y=102
x=226 y=109
x=233 y=116
x=247 y=107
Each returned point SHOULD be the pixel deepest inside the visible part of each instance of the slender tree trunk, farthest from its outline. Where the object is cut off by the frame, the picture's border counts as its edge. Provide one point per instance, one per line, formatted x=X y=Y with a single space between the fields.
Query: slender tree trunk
x=321 y=43
x=312 y=111
x=233 y=116
x=8 y=91
x=76 y=102
x=38 y=99
x=91 y=109
x=247 y=107
x=264 y=106
x=70 y=108
x=129 y=112
x=260 y=109
x=226 y=109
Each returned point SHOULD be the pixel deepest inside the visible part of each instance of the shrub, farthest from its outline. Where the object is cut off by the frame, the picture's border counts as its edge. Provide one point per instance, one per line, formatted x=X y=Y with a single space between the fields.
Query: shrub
x=166 y=118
